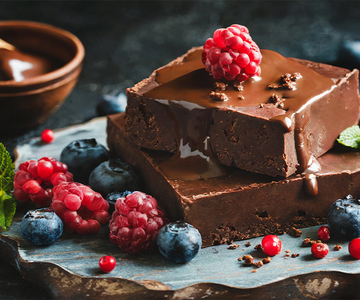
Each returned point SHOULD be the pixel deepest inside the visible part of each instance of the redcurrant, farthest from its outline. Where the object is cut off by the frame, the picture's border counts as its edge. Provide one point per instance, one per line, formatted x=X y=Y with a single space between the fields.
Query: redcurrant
x=324 y=233
x=47 y=136
x=354 y=248
x=271 y=245
x=319 y=250
x=107 y=263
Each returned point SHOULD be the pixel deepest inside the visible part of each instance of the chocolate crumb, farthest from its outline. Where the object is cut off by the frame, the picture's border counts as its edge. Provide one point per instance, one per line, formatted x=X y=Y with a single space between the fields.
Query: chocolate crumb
x=241 y=97
x=218 y=96
x=337 y=248
x=220 y=86
x=247 y=244
x=253 y=271
x=287 y=81
x=295 y=255
x=308 y=242
x=258 y=264
x=266 y=260
x=295 y=232
x=258 y=247
x=248 y=259
x=277 y=101
x=233 y=246
x=240 y=258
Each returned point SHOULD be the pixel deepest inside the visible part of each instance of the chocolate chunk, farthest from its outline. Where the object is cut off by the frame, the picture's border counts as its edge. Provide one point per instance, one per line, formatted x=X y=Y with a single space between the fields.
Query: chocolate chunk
x=248 y=259
x=294 y=232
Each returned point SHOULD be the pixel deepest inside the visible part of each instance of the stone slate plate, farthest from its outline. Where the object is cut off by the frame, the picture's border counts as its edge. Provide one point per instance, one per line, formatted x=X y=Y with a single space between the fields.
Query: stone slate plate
x=68 y=269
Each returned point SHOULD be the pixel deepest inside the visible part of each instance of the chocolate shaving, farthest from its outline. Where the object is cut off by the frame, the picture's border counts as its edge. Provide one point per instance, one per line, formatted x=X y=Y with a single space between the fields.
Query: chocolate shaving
x=247 y=244
x=295 y=255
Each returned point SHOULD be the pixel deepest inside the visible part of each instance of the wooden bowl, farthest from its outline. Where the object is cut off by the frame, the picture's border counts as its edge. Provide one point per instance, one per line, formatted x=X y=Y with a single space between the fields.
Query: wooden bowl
x=29 y=102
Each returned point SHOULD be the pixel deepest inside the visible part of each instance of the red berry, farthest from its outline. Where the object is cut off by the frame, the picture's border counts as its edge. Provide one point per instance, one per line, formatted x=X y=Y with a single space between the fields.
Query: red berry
x=47 y=136
x=232 y=54
x=354 y=248
x=324 y=233
x=107 y=263
x=136 y=222
x=319 y=250
x=44 y=169
x=35 y=179
x=271 y=245
x=75 y=203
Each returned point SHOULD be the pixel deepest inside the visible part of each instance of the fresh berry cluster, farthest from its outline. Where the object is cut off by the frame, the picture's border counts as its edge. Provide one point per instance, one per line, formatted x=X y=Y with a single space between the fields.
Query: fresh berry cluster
x=135 y=224
x=35 y=180
x=232 y=54
x=80 y=208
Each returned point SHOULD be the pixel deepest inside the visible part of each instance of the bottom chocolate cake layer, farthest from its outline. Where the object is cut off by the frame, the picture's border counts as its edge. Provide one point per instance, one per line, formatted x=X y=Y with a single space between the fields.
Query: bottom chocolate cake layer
x=243 y=204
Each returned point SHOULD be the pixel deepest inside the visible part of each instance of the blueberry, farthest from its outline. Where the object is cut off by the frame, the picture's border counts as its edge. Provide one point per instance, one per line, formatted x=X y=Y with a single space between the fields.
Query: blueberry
x=111 y=104
x=112 y=197
x=344 y=217
x=41 y=227
x=179 y=241
x=83 y=156
x=113 y=175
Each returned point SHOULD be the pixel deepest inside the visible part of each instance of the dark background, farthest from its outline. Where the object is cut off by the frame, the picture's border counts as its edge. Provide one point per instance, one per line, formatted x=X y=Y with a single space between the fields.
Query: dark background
x=126 y=40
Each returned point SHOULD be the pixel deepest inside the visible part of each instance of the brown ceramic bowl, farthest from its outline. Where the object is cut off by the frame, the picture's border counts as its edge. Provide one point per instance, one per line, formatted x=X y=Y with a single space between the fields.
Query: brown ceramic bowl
x=29 y=102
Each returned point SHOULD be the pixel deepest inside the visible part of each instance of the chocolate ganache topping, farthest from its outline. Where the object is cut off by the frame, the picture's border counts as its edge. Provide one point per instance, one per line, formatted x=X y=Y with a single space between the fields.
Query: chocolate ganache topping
x=186 y=90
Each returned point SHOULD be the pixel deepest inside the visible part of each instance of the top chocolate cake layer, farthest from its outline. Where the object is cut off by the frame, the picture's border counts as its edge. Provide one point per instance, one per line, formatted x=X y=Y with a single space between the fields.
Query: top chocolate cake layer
x=274 y=124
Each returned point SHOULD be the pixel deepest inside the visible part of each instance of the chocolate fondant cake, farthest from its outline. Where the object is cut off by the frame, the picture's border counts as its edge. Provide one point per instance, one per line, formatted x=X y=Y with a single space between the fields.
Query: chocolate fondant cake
x=242 y=204
x=273 y=124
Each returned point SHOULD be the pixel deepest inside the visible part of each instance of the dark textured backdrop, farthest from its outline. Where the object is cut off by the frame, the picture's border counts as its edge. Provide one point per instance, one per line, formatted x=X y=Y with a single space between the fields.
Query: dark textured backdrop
x=126 y=40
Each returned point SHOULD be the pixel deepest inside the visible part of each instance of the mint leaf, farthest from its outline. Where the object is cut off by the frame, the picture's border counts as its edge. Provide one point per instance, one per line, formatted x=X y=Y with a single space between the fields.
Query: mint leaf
x=350 y=137
x=7 y=200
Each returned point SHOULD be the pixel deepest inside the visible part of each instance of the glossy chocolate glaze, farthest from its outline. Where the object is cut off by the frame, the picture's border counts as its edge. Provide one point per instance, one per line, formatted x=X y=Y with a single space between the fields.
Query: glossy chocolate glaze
x=185 y=89
x=17 y=66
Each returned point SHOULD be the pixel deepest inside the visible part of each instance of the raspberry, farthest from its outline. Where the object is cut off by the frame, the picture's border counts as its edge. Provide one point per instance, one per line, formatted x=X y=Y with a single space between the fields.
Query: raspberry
x=35 y=180
x=80 y=208
x=136 y=222
x=232 y=54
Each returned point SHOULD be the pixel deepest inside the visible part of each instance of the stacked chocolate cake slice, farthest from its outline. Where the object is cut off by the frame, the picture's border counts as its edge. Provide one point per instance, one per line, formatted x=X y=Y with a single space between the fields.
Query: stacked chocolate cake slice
x=239 y=160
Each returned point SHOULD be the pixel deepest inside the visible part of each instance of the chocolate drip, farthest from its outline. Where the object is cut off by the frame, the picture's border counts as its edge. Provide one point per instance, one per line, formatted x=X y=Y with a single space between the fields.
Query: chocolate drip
x=189 y=85
x=194 y=158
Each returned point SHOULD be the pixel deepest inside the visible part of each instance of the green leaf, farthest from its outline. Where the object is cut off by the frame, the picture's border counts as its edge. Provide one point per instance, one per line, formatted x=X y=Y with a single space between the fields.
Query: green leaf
x=350 y=137
x=7 y=200
x=6 y=170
